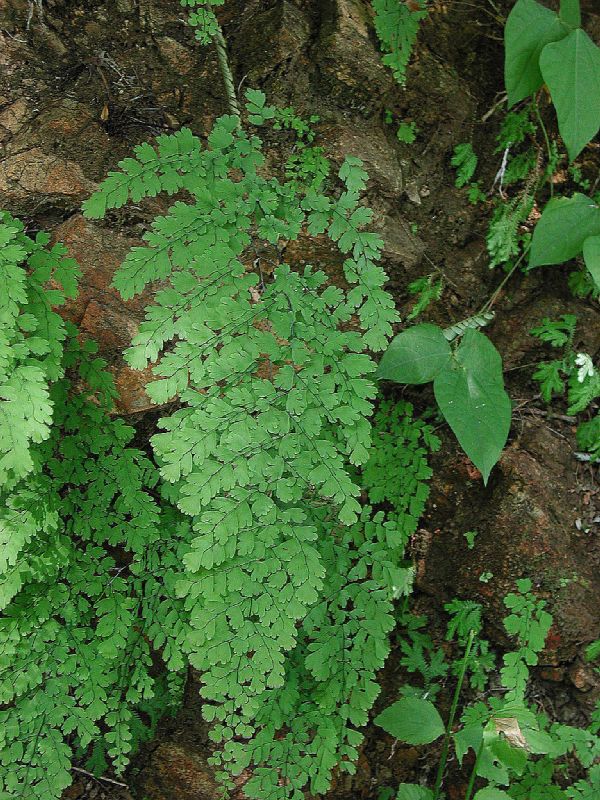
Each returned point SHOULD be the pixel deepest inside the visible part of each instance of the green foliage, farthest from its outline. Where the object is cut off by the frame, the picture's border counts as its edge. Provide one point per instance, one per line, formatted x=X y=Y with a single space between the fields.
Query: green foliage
x=31 y=341
x=465 y=618
x=86 y=573
x=505 y=236
x=265 y=543
x=570 y=13
x=491 y=793
x=412 y=720
x=275 y=395
x=574 y=373
x=529 y=28
x=91 y=575
x=464 y=161
x=571 y=70
x=568 y=227
x=399 y=443
x=528 y=623
x=475 y=322
x=588 y=437
x=558 y=332
x=542 y=46
x=409 y=791
x=475 y=194
x=203 y=18
x=583 y=285
x=518 y=752
x=548 y=375
x=397 y=25
x=306 y=167
x=470 y=537
x=515 y=129
x=416 y=355
x=468 y=386
x=407 y=132
x=428 y=290
x=591 y=257
x=519 y=173
x=420 y=656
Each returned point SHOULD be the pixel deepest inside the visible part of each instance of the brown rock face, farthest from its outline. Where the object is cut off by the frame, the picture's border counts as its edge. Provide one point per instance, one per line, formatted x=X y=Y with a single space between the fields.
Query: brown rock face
x=176 y=770
x=33 y=173
x=98 y=310
x=526 y=527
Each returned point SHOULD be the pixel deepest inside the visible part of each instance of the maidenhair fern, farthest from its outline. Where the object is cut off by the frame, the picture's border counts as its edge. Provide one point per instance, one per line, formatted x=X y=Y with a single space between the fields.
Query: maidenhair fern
x=202 y=18
x=31 y=339
x=397 y=25
x=87 y=559
x=288 y=581
x=309 y=726
x=247 y=551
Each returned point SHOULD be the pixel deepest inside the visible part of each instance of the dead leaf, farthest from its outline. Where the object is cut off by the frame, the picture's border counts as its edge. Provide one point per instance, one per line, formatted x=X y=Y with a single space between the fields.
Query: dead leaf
x=509 y=727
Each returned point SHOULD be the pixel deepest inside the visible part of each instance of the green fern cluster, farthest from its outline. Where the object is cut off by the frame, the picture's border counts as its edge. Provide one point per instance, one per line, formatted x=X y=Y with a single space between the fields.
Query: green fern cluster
x=288 y=580
x=573 y=375
x=397 y=25
x=310 y=726
x=86 y=572
x=31 y=341
x=203 y=19
x=516 y=750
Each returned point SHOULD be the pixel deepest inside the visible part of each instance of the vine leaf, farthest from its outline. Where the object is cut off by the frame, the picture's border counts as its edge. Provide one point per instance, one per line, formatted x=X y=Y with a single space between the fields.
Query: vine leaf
x=570 y=13
x=410 y=791
x=412 y=720
x=415 y=356
x=529 y=28
x=491 y=793
x=591 y=255
x=471 y=396
x=571 y=68
x=563 y=228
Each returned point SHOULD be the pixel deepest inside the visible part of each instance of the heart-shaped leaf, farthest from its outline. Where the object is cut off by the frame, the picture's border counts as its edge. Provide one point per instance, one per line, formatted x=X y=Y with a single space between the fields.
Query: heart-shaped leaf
x=529 y=28
x=591 y=255
x=415 y=356
x=410 y=791
x=571 y=68
x=570 y=13
x=412 y=720
x=565 y=224
x=471 y=396
x=515 y=758
x=492 y=793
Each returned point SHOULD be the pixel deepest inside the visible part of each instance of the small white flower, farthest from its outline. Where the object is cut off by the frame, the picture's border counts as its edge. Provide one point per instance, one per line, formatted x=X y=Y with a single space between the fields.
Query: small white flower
x=586 y=367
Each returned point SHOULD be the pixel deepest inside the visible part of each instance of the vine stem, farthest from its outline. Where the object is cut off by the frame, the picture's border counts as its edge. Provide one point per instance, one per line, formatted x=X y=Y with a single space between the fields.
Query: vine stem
x=450 y=723
x=99 y=778
x=487 y=305
x=226 y=73
x=547 y=140
x=474 y=772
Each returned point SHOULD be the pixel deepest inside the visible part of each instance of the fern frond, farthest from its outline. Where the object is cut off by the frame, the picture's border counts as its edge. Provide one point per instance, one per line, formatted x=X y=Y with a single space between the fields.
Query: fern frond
x=311 y=725
x=276 y=398
x=76 y=623
x=397 y=26
x=31 y=341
